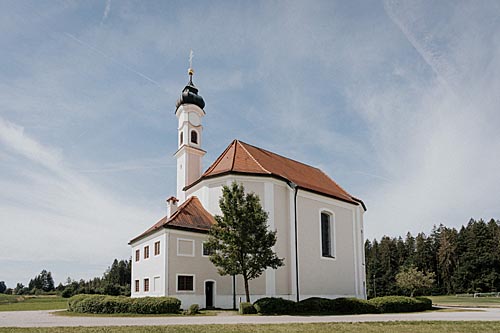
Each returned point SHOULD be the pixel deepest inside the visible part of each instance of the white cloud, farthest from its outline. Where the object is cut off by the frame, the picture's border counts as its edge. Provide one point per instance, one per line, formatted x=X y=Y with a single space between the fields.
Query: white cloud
x=51 y=213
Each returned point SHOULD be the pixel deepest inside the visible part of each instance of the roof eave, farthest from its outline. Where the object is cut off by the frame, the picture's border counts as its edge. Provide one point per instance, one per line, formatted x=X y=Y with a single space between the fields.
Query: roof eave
x=354 y=201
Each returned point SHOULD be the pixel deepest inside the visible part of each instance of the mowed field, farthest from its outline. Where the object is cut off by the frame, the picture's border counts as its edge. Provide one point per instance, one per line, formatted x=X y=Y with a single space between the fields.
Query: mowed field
x=490 y=302
x=391 y=327
x=26 y=303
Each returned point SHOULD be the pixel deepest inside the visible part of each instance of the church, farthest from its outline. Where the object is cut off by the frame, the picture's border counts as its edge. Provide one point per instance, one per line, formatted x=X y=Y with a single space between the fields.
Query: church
x=319 y=225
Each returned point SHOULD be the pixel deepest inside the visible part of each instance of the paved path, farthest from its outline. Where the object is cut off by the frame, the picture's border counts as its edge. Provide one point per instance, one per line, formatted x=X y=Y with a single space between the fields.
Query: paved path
x=46 y=319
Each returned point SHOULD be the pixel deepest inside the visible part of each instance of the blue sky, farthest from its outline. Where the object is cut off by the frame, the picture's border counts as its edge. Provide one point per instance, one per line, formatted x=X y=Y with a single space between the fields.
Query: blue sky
x=395 y=100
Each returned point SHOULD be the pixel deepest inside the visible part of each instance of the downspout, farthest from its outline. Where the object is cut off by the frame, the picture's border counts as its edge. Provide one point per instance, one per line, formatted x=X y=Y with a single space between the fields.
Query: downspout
x=296 y=189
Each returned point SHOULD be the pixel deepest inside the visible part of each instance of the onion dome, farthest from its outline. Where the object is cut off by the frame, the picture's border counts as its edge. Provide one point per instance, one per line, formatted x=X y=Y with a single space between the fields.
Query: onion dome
x=190 y=94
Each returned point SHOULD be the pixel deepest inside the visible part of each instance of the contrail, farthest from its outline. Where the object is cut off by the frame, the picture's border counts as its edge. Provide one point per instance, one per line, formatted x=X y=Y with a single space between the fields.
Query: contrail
x=113 y=60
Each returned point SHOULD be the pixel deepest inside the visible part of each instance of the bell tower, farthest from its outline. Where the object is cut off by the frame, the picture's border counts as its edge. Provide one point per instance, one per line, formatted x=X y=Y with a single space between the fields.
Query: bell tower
x=189 y=112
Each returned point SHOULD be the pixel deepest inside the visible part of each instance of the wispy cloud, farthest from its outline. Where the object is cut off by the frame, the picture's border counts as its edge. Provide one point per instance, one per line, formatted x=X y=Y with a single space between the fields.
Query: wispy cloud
x=107 y=9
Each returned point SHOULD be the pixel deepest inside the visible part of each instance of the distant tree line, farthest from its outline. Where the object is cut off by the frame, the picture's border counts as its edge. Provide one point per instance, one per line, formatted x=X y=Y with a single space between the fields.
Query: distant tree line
x=459 y=261
x=115 y=281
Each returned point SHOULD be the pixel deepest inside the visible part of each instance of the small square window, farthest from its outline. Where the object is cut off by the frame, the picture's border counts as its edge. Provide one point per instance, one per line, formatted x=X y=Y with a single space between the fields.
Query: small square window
x=207 y=251
x=185 y=283
x=146 y=252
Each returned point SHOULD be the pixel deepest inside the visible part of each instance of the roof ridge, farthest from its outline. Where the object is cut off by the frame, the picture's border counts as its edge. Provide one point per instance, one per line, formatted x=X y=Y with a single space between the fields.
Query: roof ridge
x=270 y=152
x=253 y=158
x=219 y=159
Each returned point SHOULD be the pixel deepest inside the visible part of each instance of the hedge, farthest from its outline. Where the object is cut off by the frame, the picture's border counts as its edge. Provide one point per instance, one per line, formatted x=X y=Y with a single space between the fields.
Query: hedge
x=394 y=304
x=123 y=304
x=341 y=306
x=274 y=306
x=247 y=308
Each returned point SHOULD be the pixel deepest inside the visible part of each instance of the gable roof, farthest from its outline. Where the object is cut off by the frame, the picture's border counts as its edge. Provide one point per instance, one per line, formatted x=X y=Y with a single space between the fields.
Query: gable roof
x=242 y=158
x=190 y=216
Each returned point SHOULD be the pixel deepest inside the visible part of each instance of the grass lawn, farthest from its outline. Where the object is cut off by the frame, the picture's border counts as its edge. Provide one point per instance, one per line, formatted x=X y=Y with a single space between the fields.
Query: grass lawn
x=25 y=303
x=391 y=327
x=466 y=301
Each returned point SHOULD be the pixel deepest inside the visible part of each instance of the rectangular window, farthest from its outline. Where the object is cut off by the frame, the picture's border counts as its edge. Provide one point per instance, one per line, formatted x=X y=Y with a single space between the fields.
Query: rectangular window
x=207 y=251
x=185 y=283
x=185 y=247
x=326 y=236
x=146 y=285
x=157 y=248
x=146 y=252
x=136 y=286
x=137 y=255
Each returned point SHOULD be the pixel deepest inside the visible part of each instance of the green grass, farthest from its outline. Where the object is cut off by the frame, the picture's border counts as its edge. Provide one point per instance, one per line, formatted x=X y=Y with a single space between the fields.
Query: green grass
x=490 y=302
x=377 y=327
x=26 y=303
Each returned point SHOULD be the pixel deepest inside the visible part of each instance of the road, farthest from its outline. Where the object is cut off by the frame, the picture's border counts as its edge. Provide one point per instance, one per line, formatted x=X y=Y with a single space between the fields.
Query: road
x=46 y=319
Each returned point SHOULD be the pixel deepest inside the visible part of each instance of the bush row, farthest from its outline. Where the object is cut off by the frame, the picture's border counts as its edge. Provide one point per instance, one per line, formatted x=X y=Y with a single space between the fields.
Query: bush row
x=341 y=306
x=122 y=304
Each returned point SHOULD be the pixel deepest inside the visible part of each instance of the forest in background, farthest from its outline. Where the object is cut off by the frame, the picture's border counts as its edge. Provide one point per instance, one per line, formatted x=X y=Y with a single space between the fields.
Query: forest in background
x=463 y=261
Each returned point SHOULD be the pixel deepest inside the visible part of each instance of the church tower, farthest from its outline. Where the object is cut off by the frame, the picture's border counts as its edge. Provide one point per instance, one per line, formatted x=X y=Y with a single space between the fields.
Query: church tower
x=189 y=112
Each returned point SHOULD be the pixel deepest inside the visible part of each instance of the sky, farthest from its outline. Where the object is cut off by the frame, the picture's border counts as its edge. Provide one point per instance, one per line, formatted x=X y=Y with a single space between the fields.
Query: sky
x=398 y=101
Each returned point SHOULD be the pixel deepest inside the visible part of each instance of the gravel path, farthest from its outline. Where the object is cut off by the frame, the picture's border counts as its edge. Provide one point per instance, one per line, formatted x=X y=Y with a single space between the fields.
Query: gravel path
x=46 y=319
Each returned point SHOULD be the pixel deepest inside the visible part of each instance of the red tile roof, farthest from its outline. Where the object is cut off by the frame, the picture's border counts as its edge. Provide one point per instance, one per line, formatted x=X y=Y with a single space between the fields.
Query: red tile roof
x=189 y=216
x=242 y=158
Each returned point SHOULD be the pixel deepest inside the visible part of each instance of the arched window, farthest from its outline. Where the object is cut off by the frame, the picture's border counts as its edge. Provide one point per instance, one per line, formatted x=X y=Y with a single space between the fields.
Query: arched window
x=181 y=139
x=194 y=137
x=327 y=235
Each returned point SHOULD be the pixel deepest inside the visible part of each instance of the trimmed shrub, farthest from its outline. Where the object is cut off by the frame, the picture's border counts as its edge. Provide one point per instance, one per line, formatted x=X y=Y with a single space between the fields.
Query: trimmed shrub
x=394 y=304
x=274 y=306
x=155 y=305
x=247 y=308
x=193 y=309
x=317 y=305
x=123 y=304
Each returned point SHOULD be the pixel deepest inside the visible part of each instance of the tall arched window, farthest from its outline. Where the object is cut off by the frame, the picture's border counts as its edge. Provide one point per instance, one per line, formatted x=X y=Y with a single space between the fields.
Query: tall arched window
x=181 y=139
x=194 y=137
x=327 y=235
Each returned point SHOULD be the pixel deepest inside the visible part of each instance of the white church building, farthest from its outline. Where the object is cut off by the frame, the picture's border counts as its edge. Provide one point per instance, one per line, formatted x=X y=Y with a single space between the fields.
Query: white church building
x=319 y=225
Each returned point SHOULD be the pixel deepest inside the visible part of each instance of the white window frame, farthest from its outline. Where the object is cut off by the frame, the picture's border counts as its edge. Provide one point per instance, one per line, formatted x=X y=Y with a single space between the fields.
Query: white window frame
x=185 y=255
x=333 y=241
x=202 y=248
x=197 y=137
x=185 y=291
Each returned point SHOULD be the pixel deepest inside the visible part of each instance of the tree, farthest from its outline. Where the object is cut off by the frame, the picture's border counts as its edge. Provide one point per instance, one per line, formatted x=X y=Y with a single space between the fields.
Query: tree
x=413 y=280
x=240 y=240
x=3 y=287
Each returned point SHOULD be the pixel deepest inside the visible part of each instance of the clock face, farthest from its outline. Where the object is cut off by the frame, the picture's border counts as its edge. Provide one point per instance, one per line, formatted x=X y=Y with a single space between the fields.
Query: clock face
x=194 y=119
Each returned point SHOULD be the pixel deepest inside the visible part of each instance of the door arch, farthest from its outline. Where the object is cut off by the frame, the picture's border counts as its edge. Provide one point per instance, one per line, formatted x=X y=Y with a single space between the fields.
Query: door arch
x=209 y=294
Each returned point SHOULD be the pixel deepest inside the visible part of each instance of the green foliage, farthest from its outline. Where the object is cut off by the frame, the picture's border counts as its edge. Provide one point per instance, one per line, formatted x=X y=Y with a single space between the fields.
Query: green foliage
x=240 y=239
x=317 y=305
x=193 y=309
x=41 y=282
x=463 y=261
x=3 y=287
x=413 y=280
x=247 y=308
x=122 y=304
x=274 y=306
x=395 y=304
x=341 y=306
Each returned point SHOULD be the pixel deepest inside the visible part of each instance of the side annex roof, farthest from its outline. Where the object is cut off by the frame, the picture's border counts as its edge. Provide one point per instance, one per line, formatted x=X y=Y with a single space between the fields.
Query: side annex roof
x=242 y=158
x=190 y=216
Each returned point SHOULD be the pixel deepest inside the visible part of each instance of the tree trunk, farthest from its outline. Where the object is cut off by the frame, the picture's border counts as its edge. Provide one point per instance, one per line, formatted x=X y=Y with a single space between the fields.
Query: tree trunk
x=247 y=291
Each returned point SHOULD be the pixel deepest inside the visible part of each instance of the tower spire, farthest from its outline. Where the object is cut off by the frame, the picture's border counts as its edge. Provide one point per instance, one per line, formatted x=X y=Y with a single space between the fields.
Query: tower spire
x=190 y=69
